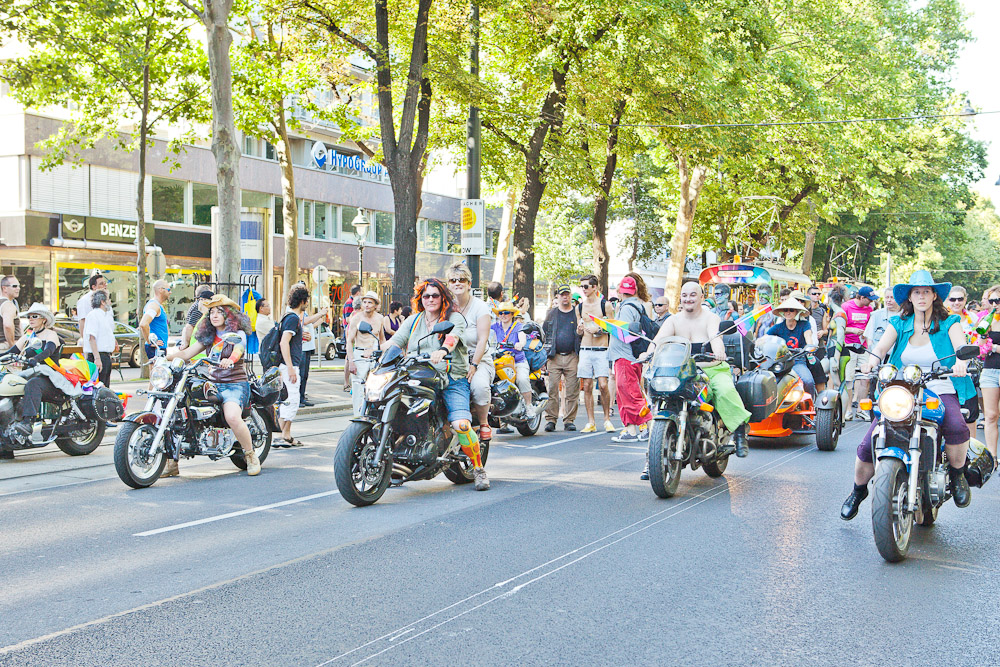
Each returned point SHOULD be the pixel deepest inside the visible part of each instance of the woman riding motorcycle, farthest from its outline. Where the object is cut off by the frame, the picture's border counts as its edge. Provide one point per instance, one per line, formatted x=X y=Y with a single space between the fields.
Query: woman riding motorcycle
x=433 y=303
x=797 y=334
x=510 y=335
x=922 y=334
x=230 y=377
x=39 y=343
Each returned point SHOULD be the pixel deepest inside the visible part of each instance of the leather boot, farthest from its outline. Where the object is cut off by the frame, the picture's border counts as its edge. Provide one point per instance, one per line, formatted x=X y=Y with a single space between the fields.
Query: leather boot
x=853 y=502
x=960 y=490
x=740 y=439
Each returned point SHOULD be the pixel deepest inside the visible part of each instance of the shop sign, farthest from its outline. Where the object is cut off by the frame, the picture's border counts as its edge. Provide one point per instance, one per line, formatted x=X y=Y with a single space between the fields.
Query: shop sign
x=324 y=158
x=473 y=227
x=102 y=229
x=251 y=243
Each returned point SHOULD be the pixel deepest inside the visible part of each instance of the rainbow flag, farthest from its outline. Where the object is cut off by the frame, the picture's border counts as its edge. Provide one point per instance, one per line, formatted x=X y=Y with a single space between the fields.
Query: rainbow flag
x=703 y=394
x=617 y=328
x=746 y=323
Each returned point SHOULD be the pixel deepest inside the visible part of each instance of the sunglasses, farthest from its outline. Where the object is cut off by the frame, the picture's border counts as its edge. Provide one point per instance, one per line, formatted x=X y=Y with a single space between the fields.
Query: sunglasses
x=430 y=296
x=36 y=316
x=659 y=305
x=813 y=293
x=585 y=286
x=505 y=312
x=457 y=280
x=994 y=301
x=957 y=298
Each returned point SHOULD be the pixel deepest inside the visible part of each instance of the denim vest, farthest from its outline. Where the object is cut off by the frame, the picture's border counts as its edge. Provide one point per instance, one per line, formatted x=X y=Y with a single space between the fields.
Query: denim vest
x=940 y=343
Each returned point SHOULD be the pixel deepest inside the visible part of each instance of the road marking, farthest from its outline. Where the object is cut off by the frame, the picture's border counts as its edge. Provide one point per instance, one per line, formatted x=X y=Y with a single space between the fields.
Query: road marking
x=670 y=512
x=230 y=515
x=564 y=440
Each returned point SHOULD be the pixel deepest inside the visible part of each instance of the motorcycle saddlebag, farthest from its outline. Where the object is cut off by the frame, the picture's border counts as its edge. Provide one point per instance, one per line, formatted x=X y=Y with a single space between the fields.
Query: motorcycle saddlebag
x=759 y=392
x=102 y=404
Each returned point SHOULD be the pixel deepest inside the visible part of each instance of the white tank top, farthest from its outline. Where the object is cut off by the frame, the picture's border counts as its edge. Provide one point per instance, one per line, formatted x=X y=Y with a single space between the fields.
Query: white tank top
x=924 y=357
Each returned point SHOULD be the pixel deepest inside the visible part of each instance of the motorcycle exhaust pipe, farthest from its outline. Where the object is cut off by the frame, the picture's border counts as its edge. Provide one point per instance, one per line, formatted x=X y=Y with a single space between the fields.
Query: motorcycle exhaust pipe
x=399 y=473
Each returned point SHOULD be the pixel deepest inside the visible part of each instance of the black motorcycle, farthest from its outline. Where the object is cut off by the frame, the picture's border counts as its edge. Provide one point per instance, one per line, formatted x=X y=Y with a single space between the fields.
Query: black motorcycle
x=183 y=417
x=403 y=434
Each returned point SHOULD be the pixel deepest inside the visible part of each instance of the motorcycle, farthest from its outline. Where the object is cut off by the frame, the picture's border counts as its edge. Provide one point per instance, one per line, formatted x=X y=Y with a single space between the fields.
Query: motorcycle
x=403 y=433
x=686 y=431
x=183 y=417
x=506 y=402
x=76 y=424
x=911 y=464
x=774 y=394
x=831 y=407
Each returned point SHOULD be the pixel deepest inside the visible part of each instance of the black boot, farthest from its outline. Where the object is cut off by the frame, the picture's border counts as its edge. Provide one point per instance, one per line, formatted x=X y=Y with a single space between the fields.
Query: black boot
x=740 y=438
x=959 y=486
x=853 y=502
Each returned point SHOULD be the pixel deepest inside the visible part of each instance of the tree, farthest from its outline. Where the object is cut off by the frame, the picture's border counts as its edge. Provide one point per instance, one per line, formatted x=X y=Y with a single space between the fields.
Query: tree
x=561 y=243
x=144 y=66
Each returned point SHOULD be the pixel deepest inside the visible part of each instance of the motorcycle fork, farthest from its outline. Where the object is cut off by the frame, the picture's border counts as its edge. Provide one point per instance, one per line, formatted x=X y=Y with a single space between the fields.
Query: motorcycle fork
x=914 y=471
x=387 y=414
x=168 y=413
x=681 y=453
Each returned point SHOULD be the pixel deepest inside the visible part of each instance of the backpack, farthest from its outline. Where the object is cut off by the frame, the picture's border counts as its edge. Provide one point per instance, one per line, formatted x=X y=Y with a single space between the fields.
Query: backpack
x=270 y=347
x=649 y=329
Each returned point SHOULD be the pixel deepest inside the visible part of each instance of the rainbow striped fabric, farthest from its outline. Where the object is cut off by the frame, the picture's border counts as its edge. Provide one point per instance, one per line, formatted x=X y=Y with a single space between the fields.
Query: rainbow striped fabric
x=616 y=328
x=746 y=323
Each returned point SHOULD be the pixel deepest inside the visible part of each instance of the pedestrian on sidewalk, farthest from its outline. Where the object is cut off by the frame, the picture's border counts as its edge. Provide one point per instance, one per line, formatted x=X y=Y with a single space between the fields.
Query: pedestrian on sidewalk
x=593 y=363
x=291 y=358
x=99 y=334
x=96 y=283
x=632 y=406
x=391 y=322
x=360 y=346
x=153 y=324
x=347 y=311
x=560 y=329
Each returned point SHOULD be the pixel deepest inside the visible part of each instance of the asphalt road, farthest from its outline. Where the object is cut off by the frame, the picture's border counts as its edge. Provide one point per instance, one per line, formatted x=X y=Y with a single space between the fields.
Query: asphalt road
x=569 y=559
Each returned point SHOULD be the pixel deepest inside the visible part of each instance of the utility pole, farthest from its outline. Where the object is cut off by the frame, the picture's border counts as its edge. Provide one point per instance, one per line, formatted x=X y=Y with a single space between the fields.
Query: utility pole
x=473 y=151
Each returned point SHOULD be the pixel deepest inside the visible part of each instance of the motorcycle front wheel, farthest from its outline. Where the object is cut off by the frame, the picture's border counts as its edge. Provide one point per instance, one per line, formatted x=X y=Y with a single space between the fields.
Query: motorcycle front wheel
x=133 y=463
x=83 y=442
x=828 y=425
x=664 y=471
x=260 y=436
x=890 y=523
x=360 y=479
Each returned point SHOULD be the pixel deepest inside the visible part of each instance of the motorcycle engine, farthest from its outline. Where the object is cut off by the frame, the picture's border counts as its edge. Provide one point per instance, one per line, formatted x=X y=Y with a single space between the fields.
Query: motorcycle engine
x=6 y=411
x=216 y=442
x=504 y=398
x=412 y=443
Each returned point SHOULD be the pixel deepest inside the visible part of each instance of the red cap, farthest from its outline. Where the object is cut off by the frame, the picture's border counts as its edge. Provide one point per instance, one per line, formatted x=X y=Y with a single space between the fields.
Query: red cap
x=627 y=286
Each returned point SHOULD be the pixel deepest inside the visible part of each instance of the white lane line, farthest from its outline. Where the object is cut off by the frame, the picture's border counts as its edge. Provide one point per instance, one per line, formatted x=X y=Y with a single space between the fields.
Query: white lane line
x=230 y=515
x=671 y=511
x=564 y=440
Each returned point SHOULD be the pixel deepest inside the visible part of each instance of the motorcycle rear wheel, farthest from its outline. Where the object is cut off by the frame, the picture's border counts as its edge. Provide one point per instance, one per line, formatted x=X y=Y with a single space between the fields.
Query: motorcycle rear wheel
x=460 y=472
x=360 y=480
x=891 y=526
x=83 y=443
x=664 y=471
x=132 y=468
x=530 y=427
x=260 y=436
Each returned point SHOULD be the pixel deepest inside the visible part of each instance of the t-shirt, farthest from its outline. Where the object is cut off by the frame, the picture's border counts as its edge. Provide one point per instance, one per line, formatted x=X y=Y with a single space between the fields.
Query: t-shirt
x=857 y=317
x=83 y=309
x=101 y=325
x=794 y=338
x=291 y=322
x=561 y=329
x=220 y=351
x=618 y=349
x=411 y=337
x=507 y=339
x=476 y=309
x=193 y=315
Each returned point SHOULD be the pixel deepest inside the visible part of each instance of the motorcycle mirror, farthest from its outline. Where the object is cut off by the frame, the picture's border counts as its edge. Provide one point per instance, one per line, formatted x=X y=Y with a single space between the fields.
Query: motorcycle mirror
x=727 y=327
x=232 y=338
x=443 y=327
x=967 y=352
x=365 y=328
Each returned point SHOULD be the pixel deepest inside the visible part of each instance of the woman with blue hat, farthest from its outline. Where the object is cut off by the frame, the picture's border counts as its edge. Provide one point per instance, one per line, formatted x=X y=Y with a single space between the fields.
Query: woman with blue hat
x=923 y=333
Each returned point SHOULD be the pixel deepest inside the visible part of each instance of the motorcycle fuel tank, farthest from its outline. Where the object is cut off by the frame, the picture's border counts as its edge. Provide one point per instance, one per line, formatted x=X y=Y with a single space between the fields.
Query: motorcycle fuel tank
x=759 y=392
x=12 y=384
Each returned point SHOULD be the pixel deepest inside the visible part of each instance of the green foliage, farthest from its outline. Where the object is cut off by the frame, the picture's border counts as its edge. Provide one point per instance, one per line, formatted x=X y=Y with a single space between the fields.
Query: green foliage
x=562 y=244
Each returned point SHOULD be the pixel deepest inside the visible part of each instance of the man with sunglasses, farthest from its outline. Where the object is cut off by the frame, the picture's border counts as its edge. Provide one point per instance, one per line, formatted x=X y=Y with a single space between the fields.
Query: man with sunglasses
x=153 y=326
x=10 y=323
x=593 y=362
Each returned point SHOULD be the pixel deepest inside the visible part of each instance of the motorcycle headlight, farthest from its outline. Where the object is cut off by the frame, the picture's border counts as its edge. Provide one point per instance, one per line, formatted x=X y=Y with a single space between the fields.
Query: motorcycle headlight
x=160 y=377
x=665 y=384
x=912 y=373
x=887 y=373
x=375 y=384
x=896 y=403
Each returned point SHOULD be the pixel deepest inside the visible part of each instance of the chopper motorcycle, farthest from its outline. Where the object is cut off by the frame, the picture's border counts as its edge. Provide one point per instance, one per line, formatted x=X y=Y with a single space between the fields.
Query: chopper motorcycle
x=403 y=433
x=183 y=417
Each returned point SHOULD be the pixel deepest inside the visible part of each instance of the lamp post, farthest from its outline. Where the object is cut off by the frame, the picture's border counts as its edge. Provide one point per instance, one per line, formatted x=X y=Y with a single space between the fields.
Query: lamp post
x=361 y=225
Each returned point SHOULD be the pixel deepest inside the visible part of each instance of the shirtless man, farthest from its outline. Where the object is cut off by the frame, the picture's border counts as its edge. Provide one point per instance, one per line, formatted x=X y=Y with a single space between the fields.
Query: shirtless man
x=360 y=346
x=594 y=353
x=701 y=326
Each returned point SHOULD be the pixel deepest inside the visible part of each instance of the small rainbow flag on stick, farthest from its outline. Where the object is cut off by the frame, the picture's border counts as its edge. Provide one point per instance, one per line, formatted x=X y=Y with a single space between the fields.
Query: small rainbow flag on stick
x=618 y=329
x=747 y=322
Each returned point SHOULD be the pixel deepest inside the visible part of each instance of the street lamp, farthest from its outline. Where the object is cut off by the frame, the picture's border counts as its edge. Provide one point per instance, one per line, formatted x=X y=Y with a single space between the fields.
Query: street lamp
x=361 y=225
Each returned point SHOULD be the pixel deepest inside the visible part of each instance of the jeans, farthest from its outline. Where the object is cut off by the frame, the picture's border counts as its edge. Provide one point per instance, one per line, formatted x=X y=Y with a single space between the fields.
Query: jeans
x=456 y=399
x=37 y=389
x=234 y=392
x=289 y=408
x=801 y=369
x=304 y=374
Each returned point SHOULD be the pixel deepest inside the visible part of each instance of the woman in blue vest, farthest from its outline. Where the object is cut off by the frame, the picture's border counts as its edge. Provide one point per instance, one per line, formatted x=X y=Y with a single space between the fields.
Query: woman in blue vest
x=922 y=334
x=153 y=321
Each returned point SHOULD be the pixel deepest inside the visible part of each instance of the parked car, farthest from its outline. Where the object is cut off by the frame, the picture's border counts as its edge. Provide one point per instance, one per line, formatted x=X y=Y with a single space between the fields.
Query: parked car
x=330 y=345
x=68 y=331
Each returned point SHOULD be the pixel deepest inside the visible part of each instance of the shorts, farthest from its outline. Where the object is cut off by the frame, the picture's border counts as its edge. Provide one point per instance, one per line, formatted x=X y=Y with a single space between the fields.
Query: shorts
x=234 y=392
x=479 y=389
x=456 y=399
x=593 y=363
x=852 y=366
x=989 y=378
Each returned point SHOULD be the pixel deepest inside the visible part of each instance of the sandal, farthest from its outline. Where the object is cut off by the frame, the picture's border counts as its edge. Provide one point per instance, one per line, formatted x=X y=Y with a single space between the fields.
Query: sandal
x=292 y=442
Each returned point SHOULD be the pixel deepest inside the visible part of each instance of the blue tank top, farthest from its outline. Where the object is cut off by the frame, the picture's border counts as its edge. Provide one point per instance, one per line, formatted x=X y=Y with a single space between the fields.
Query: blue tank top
x=158 y=326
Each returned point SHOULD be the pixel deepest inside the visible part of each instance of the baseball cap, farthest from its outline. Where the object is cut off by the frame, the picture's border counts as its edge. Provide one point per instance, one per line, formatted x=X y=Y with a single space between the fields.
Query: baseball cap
x=627 y=285
x=563 y=288
x=867 y=293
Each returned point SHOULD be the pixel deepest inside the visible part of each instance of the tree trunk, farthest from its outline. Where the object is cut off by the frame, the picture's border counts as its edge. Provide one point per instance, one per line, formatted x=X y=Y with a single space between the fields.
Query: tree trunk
x=503 y=244
x=601 y=255
x=691 y=182
x=140 y=210
x=406 y=202
x=289 y=209
x=226 y=230
x=810 y=241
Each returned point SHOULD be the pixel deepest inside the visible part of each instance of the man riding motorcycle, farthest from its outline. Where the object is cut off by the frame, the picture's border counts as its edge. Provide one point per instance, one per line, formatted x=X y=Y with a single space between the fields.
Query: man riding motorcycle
x=39 y=343
x=701 y=327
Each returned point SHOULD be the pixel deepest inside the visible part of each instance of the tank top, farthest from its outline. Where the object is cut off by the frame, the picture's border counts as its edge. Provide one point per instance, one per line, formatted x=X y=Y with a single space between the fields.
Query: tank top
x=158 y=326
x=993 y=359
x=17 y=323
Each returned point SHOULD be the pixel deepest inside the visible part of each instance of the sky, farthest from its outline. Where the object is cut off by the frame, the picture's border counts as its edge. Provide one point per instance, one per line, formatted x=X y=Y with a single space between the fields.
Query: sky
x=976 y=74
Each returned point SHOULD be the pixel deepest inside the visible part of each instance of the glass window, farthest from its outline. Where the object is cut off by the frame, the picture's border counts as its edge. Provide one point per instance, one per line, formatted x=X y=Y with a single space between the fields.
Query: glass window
x=453 y=238
x=383 y=228
x=269 y=151
x=322 y=215
x=348 y=213
x=203 y=198
x=279 y=215
x=249 y=145
x=306 y=216
x=252 y=199
x=434 y=240
x=168 y=200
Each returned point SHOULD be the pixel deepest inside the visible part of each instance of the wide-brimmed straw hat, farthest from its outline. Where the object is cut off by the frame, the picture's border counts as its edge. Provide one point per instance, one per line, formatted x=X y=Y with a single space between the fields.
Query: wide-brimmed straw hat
x=221 y=300
x=790 y=303
x=921 y=278
x=39 y=309
x=506 y=307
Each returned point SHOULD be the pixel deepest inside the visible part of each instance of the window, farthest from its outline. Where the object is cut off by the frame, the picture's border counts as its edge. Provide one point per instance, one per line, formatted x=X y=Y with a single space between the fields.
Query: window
x=322 y=230
x=252 y=199
x=168 y=200
x=250 y=145
x=383 y=228
x=348 y=213
x=203 y=198
x=279 y=217
x=305 y=212
x=434 y=240
x=269 y=151
x=453 y=238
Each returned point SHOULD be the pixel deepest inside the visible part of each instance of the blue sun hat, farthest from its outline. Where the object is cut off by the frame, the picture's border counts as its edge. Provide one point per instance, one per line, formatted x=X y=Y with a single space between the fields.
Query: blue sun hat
x=920 y=278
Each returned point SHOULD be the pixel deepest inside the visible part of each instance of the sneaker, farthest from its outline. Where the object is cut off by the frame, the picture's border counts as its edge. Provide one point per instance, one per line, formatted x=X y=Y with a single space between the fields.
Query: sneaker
x=253 y=464
x=626 y=437
x=643 y=432
x=171 y=469
x=482 y=481
x=569 y=427
x=609 y=427
x=591 y=427
x=549 y=427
